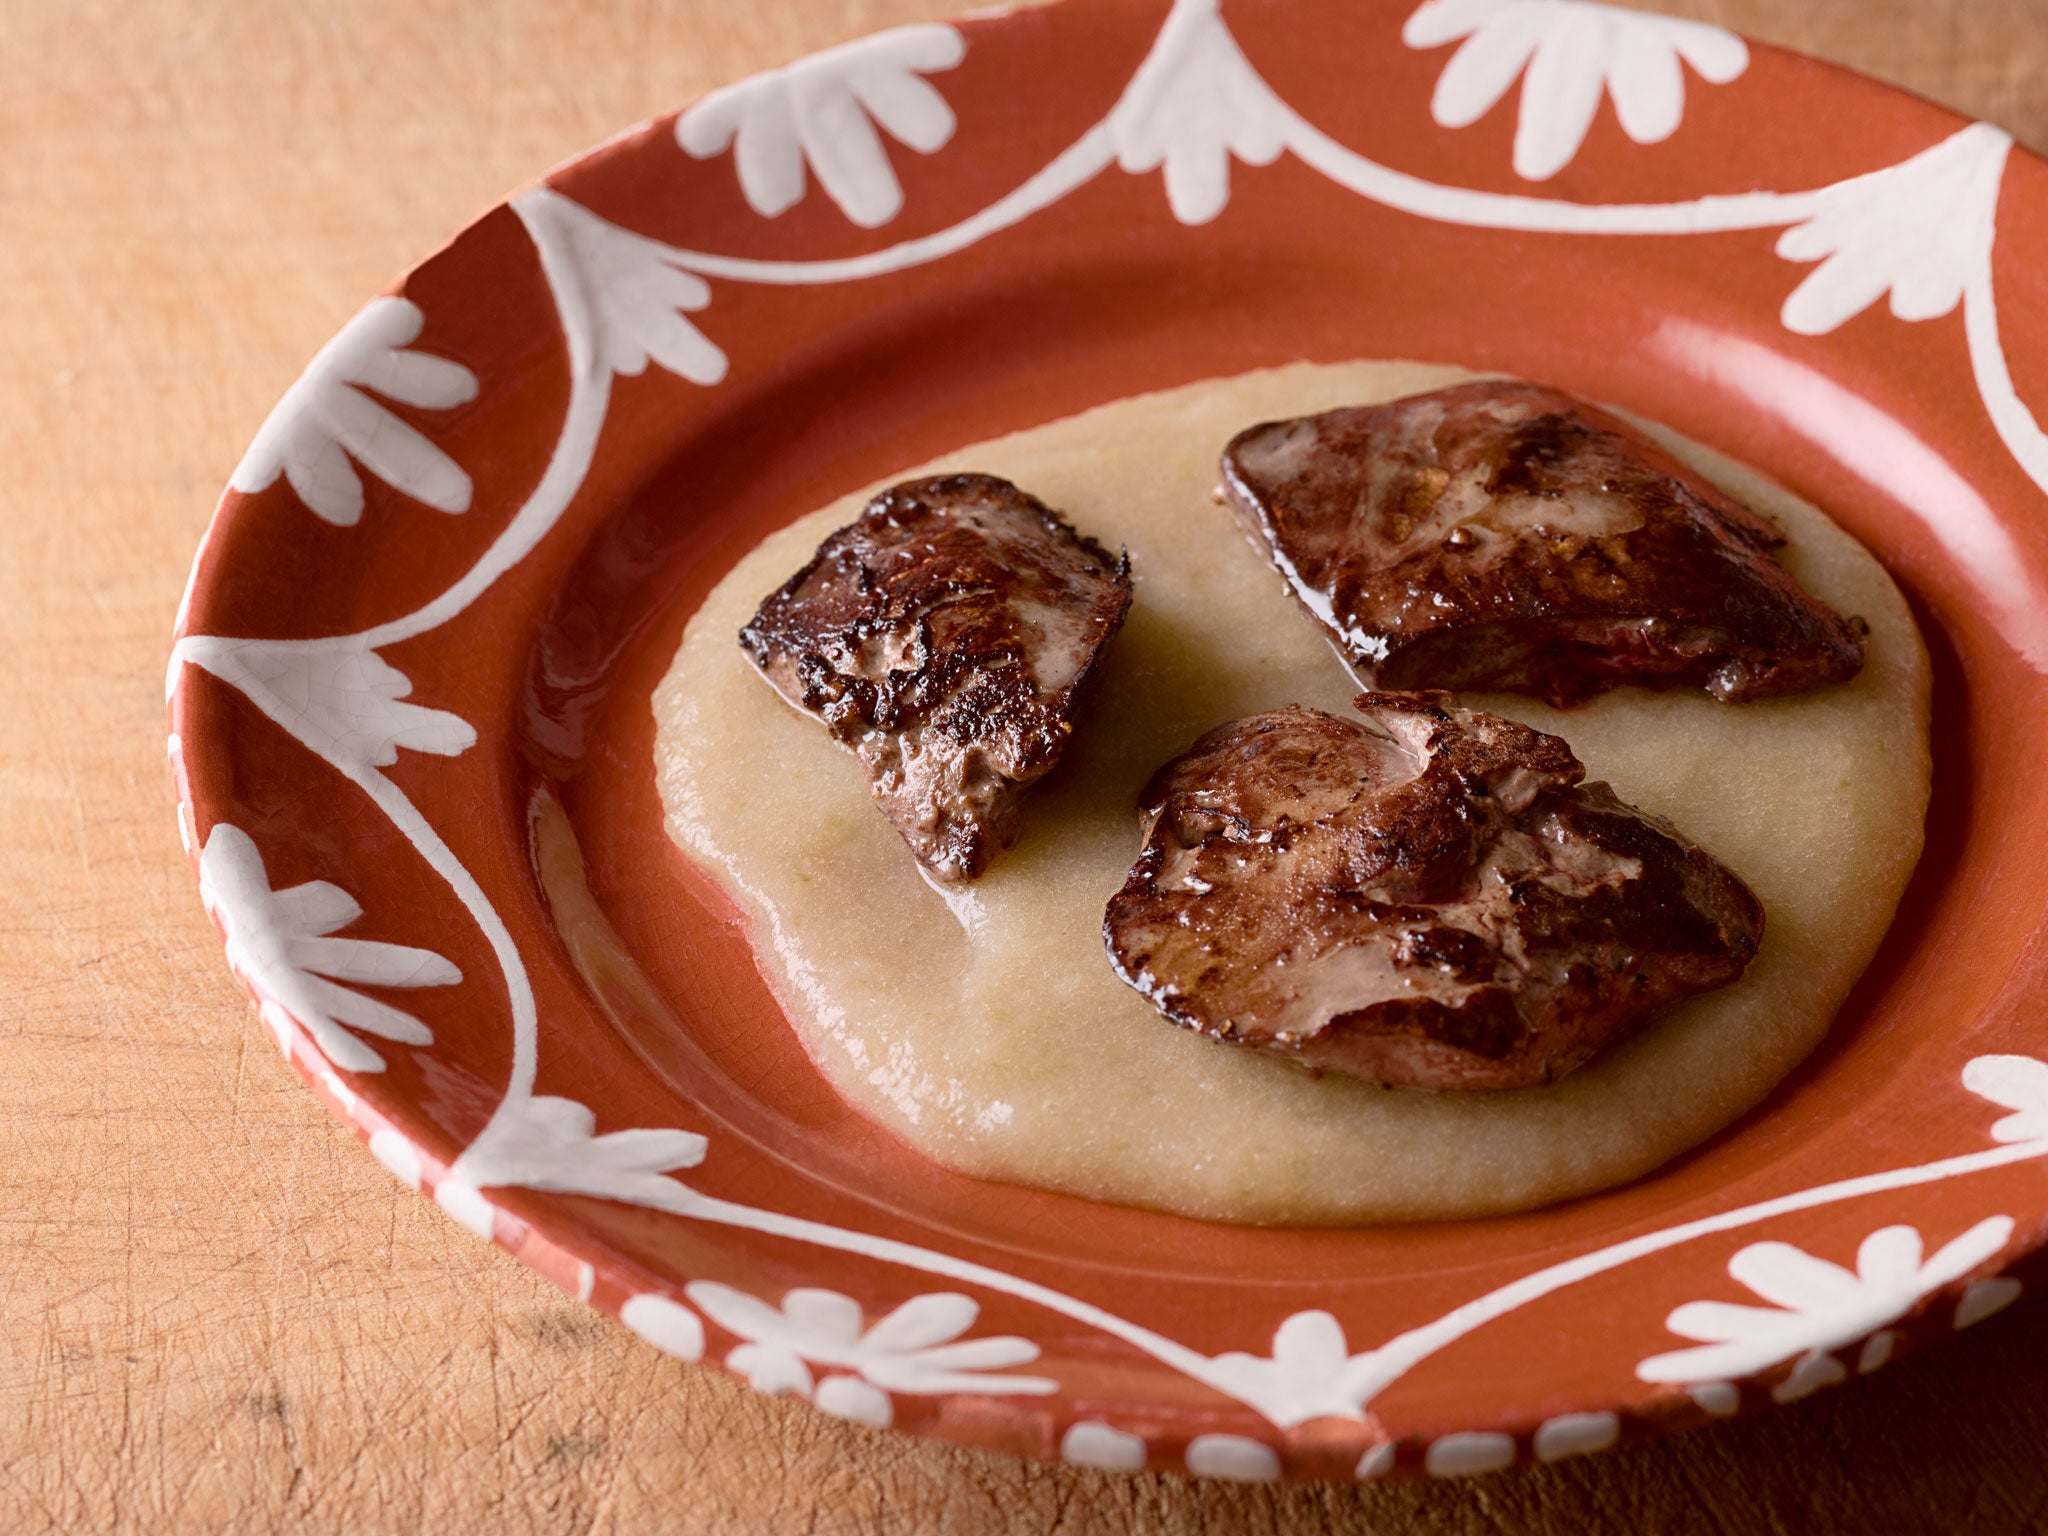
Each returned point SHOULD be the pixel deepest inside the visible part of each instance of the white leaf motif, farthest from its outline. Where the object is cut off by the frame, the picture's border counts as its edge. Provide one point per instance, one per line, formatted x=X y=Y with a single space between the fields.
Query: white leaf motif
x=1572 y=52
x=918 y=1348
x=633 y=290
x=1919 y=230
x=337 y=696
x=1816 y=1307
x=552 y=1143
x=282 y=944
x=1194 y=103
x=824 y=110
x=2020 y=1083
x=329 y=421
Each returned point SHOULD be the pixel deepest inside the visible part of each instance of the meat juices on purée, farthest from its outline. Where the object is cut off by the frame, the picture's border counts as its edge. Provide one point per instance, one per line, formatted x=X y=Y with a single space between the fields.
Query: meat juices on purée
x=1507 y=536
x=1433 y=900
x=945 y=637
x=1427 y=898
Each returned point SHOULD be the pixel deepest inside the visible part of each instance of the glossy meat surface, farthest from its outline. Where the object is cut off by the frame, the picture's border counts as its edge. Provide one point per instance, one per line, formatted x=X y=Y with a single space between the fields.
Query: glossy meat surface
x=1500 y=535
x=946 y=637
x=1426 y=897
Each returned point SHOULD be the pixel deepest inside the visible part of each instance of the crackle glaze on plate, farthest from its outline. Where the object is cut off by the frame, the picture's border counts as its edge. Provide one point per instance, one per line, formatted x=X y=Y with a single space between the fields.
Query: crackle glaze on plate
x=413 y=750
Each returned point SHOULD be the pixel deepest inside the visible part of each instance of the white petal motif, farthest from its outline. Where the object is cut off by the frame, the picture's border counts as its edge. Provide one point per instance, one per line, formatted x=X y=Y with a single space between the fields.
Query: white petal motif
x=668 y=1325
x=1561 y=90
x=923 y=1321
x=327 y=425
x=848 y=1397
x=338 y=697
x=1985 y=1298
x=1789 y=1277
x=398 y=1155
x=1437 y=22
x=2020 y=1083
x=956 y=1368
x=823 y=110
x=1469 y=1453
x=1576 y=1434
x=277 y=941
x=1377 y=1462
x=1648 y=87
x=1920 y=230
x=1102 y=1446
x=1877 y=1351
x=1810 y=1375
x=817 y=1324
x=1504 y=36
x=1234 y=1458
x=770 y=1370
x=1194 y=103
x=1572 y=52
x=466 y=1207
x=1719 y=1398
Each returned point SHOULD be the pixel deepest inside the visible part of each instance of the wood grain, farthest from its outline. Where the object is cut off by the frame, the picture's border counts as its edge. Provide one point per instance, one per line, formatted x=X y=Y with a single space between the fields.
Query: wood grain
x=217 y=1313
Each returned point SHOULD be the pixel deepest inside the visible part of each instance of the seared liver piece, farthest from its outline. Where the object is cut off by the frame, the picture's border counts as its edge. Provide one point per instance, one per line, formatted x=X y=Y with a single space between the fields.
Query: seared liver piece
x=1508 y=536
x=1425 y=898
x=945 y=637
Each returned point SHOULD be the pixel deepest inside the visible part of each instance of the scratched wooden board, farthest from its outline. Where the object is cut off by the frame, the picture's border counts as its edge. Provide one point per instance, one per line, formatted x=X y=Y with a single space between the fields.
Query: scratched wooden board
x=218 y=1314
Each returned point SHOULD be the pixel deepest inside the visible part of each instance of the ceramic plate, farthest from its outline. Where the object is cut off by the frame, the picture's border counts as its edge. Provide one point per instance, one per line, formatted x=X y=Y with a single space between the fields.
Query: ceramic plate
x=409 y=696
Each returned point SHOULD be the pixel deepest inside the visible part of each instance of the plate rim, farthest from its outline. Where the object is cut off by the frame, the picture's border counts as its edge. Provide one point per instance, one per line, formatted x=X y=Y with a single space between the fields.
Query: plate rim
x=566 y=236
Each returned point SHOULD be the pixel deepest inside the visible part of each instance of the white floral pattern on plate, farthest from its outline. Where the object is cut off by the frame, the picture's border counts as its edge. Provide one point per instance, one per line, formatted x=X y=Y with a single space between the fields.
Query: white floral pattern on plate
x=1233 y=1458
x=1920 y=230
x=1817 y=1307
x=331 y=416
x=339 y=697
x=1311 y=1372
x=2020 y=1083
x=1469 y=1453
x=1195 y=103
x=917 y=1348
x=668 y=1325
x=637 y=295
x=1091 y=1443
x=283 y=943
x=823 y=110
x=1572 y=52
x=552 y=1143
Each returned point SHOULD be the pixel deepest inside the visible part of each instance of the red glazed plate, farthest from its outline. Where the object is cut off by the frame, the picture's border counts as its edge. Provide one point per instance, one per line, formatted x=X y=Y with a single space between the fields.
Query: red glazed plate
x=409 y=695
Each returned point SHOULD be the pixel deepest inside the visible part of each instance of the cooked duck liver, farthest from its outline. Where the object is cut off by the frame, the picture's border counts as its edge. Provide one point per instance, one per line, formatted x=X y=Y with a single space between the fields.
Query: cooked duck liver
x=1508 y=536
x=1424 y=898
x=946 y=637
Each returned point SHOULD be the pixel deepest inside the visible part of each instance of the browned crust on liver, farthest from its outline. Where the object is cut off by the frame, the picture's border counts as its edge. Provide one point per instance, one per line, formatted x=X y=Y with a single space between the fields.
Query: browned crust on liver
x=1425 y=898
x=946 y=637
x=1501 y=535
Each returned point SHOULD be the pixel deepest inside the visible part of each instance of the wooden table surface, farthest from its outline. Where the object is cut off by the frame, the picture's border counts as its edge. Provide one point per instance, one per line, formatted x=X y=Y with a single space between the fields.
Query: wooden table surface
x=218 y=1313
